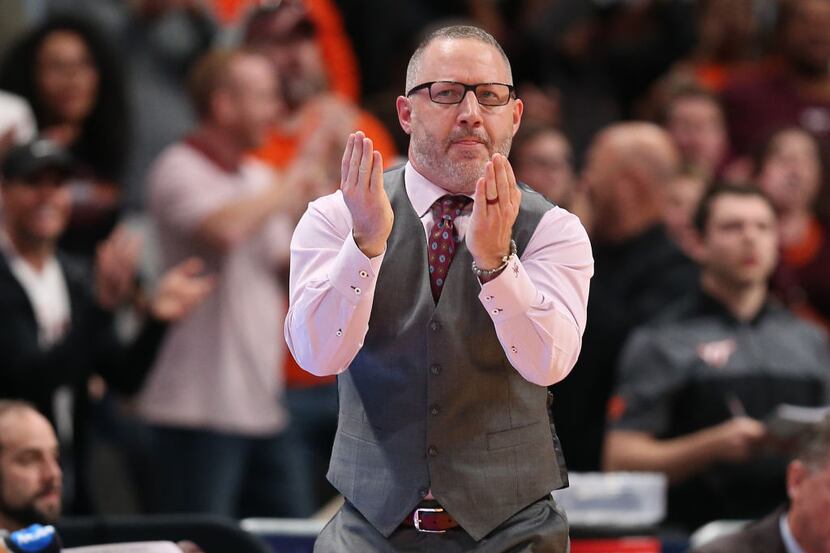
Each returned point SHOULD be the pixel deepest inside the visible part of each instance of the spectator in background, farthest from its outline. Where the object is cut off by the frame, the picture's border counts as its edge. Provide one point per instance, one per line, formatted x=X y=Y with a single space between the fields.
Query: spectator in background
x=638 y=272
x=216 y=387
x=682 y=196
x=66 y=70
x=57 y=330
x=801 y=527
x=732 y=35
x=695 y=385
x=313 y=60
x=792 y=172
x=31 y=480
x=320 y=101
x=603 y=56
x=793 y=91
x=694 y=119
x=541 y=157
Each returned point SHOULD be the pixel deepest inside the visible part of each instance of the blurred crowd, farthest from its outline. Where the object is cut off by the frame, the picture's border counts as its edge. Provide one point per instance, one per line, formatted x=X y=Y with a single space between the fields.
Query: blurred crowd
x=157 y=154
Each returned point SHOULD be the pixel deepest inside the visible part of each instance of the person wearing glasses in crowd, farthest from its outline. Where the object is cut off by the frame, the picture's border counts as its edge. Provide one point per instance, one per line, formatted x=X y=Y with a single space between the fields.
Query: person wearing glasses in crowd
x=446 y=297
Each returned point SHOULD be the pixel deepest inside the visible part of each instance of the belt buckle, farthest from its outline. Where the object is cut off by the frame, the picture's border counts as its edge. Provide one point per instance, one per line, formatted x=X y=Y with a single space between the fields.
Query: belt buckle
x=416 y=519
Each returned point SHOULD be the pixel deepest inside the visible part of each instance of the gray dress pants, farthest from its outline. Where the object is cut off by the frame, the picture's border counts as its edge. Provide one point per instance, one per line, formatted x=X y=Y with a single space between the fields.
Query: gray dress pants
x=539 y=528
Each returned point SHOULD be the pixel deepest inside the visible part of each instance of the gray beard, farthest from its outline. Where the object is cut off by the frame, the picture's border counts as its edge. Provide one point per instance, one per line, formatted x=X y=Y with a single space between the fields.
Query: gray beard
x=429 y=155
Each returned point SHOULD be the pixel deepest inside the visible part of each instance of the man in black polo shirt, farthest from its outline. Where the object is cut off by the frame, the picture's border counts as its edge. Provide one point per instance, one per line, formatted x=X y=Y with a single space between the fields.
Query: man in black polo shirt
x=695 y=385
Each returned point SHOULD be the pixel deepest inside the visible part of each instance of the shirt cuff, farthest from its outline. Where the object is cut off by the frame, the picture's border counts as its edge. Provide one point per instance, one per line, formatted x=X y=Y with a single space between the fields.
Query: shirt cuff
x=509 y=294
x=353 y=274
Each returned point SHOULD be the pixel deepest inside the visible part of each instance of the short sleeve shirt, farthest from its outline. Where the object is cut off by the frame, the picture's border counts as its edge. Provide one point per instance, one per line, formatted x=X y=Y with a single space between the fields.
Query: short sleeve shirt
x=219 y=367
x=695 y=367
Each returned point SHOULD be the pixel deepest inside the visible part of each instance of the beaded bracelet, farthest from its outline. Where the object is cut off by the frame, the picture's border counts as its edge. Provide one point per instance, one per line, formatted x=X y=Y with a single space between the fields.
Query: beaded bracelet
x=504 y=261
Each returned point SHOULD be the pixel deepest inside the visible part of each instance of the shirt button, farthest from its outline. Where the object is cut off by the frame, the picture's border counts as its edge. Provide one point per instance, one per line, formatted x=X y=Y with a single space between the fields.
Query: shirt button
x=356 y=290
x=364 y=274
x=496 y=311
x=432 y=451
x=434 y=410
x=435 y=369
x=435 y=325
x=488 y=298
x=339 y=332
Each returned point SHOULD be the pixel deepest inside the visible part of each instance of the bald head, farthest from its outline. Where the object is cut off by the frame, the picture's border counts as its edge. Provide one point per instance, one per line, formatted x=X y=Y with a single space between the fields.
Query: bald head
x=643 y=147
x=629 y=168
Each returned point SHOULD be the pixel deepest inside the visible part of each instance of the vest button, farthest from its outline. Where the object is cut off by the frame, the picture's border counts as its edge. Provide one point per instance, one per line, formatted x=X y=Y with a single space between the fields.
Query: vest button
x=435 y=369
x=435 y=325
x=435 y=409
x=432 y=451
x=423 y=492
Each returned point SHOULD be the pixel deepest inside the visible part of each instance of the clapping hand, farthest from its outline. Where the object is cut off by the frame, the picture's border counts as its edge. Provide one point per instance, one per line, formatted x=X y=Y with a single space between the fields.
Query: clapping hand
x=180 y=290
x=495 y=208
x=116 y=261
x=362 y=185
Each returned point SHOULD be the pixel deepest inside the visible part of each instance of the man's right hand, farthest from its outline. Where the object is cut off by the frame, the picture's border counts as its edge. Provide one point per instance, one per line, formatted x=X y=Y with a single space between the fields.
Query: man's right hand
x=738 y=439
x=362 y=185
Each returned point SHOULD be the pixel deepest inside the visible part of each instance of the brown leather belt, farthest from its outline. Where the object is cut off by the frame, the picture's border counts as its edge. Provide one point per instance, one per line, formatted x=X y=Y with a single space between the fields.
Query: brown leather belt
x=432 y=519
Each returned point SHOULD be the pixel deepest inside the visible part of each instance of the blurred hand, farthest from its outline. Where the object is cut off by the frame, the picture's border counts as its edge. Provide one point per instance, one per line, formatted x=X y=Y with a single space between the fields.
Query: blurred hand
x=116 y=261
x=6 y=141
x=189 y=547
x=330 y=119
x=738 y=439
x=301 y=183
x=362 y=186
x=180 y=290
x=496 y=205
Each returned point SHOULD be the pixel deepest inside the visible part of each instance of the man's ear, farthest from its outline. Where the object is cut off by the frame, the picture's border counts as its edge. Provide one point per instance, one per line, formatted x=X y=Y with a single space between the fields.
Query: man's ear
x=404 y=107
x=796 y=473
x=518 y=109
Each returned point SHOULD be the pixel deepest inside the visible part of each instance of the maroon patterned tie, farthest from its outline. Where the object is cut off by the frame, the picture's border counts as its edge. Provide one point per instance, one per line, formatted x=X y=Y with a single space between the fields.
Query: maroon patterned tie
x=443 y=239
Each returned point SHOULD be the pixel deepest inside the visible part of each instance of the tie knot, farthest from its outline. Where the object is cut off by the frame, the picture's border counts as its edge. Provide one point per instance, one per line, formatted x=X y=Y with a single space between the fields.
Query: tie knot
x=450 y=207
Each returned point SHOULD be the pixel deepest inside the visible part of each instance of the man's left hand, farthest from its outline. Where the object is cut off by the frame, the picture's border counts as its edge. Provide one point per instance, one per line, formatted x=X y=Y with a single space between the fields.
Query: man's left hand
x=495 y=207
x=116 y=261
x=180 y=290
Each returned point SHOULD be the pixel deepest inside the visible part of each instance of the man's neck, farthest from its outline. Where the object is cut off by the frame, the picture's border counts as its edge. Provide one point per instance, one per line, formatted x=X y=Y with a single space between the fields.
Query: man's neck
x=34 y=252
x=220 y=144
x=744 y=302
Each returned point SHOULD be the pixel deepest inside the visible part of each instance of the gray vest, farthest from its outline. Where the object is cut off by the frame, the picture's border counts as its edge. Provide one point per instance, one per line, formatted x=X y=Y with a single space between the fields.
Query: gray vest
x=431 y=401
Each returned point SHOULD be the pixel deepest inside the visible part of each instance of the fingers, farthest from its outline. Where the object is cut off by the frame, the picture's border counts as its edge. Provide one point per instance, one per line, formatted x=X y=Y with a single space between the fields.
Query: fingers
x=347 y=156
x=515 y=195
x=492 y=192
x=376 y=178
x=354 y=161
x=181 y=289
x=358 y=162
x=191 y=266
x=502 y=182
x=479 y=199
x=365 y=168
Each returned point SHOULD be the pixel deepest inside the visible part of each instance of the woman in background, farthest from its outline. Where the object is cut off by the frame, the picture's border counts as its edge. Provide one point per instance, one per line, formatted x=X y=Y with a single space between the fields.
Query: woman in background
x=70 y=75
x=791 y=171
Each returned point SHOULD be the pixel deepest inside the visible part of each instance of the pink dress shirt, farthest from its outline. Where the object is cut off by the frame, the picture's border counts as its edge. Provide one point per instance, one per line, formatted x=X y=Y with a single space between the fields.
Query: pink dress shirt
x=537 y=305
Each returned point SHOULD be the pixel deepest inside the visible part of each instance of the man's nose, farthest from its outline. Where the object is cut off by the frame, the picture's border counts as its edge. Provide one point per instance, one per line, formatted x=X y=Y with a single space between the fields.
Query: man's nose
x=470 y=109
x=52 y=471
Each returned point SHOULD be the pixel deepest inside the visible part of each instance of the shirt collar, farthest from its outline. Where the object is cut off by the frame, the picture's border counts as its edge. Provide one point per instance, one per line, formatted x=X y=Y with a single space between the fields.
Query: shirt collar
x=787 y=536
x=421 y=191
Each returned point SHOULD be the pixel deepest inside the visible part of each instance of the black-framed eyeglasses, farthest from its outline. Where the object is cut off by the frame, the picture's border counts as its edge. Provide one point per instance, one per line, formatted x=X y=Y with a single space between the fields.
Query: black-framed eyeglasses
x=452 y=92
